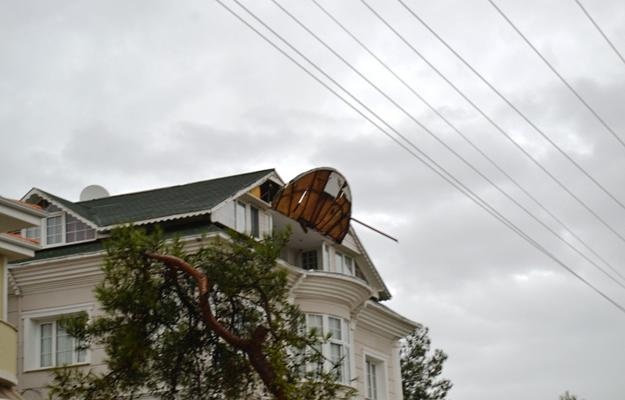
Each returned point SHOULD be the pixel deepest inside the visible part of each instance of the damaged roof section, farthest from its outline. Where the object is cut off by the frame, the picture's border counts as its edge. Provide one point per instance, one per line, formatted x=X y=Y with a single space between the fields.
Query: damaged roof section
x=319 y=199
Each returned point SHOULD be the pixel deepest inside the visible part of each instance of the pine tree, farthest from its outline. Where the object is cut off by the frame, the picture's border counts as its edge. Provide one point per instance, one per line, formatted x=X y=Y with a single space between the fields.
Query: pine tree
x=215 y=323
x=420 y=371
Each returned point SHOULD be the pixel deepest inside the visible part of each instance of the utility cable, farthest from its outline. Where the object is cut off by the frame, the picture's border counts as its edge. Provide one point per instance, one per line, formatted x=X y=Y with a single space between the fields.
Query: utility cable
x=441 y=142
x=468 y=140
x=516 y=109
x=497 y=126
x=562 y=79
x=618 y=53
x=441 y=172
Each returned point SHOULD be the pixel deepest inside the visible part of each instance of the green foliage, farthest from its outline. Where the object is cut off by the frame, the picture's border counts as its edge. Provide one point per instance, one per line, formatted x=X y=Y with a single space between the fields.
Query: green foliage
x=420 y=370
x=157 y=342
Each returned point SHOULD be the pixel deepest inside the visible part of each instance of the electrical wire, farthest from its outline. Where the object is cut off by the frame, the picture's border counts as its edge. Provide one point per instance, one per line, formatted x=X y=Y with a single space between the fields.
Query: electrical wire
x=469 y=141
x=562 y=79
x=618 y=53
x=431 y=164
x=497 y=126
x=441 y=142
x=518 y=111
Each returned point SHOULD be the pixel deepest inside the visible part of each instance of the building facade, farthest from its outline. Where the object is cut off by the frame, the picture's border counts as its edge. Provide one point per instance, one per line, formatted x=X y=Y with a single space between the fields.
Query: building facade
x=14 y=216
x=331 y=276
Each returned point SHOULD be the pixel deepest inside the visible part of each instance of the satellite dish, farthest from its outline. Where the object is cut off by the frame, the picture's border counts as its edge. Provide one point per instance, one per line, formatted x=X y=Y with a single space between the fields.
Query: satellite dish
x=93 y=192
x=319 y=199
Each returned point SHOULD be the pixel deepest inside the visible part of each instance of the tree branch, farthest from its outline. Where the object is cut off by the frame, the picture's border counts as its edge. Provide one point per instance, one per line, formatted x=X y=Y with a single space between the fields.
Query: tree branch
x=253 y=347
x=204 y=288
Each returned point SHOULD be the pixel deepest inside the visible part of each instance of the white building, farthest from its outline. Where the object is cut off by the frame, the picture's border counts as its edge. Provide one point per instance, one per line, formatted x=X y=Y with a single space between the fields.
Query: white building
x=332 y=278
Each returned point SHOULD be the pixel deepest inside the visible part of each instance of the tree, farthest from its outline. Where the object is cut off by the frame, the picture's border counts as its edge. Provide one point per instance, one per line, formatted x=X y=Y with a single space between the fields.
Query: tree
x=420 y=371
x=215 y=323
x=568 y=396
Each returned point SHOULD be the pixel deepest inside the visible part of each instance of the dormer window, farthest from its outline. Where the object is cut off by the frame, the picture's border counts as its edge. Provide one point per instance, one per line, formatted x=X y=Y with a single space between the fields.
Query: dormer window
x=59 y=228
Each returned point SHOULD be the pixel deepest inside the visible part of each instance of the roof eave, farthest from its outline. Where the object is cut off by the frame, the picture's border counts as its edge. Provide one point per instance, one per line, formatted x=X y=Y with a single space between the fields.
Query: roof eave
x=197 y=213
x=51 y=199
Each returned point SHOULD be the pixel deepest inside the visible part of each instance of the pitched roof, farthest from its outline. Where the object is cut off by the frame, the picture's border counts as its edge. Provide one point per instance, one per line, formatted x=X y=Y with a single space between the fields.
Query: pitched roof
x=161 y=202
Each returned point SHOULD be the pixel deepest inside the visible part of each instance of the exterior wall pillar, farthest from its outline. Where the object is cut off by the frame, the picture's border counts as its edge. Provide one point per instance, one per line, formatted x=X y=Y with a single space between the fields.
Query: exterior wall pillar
x=399 y=393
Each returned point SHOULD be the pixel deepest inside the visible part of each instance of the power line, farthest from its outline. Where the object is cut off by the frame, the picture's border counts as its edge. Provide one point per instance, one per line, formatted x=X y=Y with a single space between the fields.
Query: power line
x=435 y=167
x=618 y=53
x=468 y=140
x=564 y=81
x=496 y=126
x=440 y=141
x=516 y=109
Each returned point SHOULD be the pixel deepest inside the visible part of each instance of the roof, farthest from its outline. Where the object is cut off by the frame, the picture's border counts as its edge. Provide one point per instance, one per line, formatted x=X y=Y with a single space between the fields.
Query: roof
x=98 y=245
x=160 y=203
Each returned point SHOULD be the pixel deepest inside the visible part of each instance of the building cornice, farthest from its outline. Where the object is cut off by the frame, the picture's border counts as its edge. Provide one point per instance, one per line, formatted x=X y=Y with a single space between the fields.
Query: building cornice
x=333 y=287
x=384 y=320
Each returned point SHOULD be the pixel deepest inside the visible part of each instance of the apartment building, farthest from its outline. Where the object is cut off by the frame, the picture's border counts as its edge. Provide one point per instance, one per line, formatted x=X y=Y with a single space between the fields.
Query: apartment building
x=332 y=278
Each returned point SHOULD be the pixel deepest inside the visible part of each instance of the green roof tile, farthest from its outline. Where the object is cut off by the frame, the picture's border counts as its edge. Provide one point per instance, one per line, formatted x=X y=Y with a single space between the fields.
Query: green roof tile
x=162 y=202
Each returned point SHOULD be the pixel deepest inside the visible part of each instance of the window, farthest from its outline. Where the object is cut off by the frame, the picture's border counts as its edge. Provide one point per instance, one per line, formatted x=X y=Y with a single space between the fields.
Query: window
x=337 y=350
x=254 y=222
x=343 y=264
x=309 y=260
x=57 y=347
x=374 y=378
x=32 y=233
x=240 y=217
x=46 y=342
x=54 y=229
x=326 y=257
x=76 y=230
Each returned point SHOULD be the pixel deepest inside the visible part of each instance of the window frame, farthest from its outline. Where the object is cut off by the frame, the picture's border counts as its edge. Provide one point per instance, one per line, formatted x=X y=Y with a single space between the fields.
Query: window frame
x=304 y=258
x=54 y=345
x=31 y=340
x=340 y=267
x=345 y=343
x=381 y=369
x=56 y=214
x=239 y=205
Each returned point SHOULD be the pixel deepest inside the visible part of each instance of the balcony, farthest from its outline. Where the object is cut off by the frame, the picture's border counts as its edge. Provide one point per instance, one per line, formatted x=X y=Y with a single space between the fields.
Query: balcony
x=8 y=353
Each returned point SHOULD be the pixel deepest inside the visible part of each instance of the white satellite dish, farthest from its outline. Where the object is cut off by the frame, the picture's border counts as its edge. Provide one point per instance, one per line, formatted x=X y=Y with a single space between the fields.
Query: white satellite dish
x=93 y=192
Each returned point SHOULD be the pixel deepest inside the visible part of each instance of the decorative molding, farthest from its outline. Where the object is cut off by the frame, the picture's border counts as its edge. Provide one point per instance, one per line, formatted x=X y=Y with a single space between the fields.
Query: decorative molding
x=383 y=320
x=60 y=273
x=333 y=287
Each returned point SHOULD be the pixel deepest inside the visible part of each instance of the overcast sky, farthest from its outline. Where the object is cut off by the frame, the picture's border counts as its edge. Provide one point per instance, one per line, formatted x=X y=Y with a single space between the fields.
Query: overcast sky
x=134 y=95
